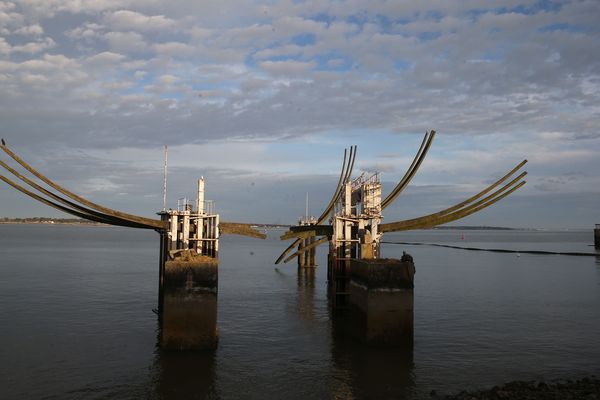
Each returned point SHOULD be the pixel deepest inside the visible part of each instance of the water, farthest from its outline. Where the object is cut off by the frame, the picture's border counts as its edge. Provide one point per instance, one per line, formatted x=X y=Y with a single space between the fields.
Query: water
x=76 y=320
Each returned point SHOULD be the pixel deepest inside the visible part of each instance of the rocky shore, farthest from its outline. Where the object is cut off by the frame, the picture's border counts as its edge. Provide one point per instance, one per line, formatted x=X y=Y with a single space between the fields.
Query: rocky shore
x=586 y=389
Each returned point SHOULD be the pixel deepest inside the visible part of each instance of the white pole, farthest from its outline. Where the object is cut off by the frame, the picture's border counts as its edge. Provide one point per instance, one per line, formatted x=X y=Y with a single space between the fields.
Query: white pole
x=165 y=182
x=306 y=213
x=200 y=199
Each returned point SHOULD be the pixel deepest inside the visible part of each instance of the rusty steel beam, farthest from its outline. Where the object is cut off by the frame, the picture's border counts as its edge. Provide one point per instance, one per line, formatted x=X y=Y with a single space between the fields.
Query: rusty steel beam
x=466 y=212
x=237 y=228
x=412 y=170
x=349 y=174
x=135 y=219
x=458 y=206
x=344 y=176
x=71 y=211
x=299 y=234
x=337 y=190
x=306 y=248
x=408 y=171
x=304 y=231
x=108 y=219
x=290 y=247
x=431 y=222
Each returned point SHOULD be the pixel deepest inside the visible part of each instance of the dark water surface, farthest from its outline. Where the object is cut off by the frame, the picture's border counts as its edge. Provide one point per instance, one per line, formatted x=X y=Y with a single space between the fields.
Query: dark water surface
x=76 y=319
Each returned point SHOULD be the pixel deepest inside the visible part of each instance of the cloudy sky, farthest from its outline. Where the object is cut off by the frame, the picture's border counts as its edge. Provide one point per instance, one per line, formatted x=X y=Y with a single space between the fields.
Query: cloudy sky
x=262 y=97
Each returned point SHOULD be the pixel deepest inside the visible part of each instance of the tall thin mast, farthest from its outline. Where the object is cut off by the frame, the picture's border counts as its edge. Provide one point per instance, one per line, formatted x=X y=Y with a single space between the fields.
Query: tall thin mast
x=306 y=214
x=165 y=182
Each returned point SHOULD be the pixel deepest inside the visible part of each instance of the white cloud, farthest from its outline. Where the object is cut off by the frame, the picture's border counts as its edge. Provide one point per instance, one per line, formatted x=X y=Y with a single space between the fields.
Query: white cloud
x=126 y=42
x=174 y=49
x=86 y=31
x=286 y=67
x=33 y=47
x=105 y=58
x=34 y=30
x=126 y=20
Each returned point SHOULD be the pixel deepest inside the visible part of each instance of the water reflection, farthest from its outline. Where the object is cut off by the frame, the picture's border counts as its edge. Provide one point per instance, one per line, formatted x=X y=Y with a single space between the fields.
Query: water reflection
x=185 y=375
x=306 y=293
x=361 y=371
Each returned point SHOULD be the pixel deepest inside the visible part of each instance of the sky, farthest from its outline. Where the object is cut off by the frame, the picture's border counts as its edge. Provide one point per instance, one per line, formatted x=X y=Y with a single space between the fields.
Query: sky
x=261 y=98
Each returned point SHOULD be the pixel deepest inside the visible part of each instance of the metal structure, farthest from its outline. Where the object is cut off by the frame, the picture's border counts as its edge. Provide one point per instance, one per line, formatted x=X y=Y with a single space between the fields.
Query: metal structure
x=180 y=230
x=196 y=230
x=351 y=227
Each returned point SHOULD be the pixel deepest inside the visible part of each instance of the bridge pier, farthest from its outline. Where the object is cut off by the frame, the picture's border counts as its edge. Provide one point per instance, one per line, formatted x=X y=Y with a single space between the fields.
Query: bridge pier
x=381 y=301
x=597 y=236
x=374 y=294
x=188 y=277
x=189 y=311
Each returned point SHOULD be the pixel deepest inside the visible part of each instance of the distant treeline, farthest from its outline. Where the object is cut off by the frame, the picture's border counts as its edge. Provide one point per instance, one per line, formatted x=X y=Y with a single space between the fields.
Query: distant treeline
x=44 y=220
x=476 y=228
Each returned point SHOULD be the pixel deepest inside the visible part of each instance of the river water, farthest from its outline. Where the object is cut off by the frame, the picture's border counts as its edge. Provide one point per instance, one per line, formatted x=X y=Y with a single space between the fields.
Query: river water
x=76 y=319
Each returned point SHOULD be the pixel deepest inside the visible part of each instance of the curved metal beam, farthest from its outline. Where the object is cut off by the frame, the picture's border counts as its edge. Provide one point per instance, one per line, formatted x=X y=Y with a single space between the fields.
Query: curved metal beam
x=486 y=190
x=349 y=174
x=290 y=247
x=306 y=248
x=336 y=192
x=466 y=212
x=412 y=165
x=410 y=173
x=429 y=223
x=154 y=223
x=457 y=207
x=68 y=210
x=108 y=219
x=343 y=180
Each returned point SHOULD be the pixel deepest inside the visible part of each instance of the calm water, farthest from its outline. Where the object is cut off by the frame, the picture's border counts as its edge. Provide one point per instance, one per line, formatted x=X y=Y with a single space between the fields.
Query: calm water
x=76 y=319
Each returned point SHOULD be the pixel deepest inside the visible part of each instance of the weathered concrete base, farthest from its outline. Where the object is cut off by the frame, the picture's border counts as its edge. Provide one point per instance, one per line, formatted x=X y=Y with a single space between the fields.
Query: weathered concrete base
x=189 y=309
x=382 y=302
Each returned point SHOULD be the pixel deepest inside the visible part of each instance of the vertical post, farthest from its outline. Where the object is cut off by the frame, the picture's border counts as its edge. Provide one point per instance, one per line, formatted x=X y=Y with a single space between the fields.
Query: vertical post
x=312 y=253
x=185 y=240
x=347 y=223
x=165 y=182
x=597 y=236
x=216 y=236
x=162 y=258
x=306 y=213
x=173 y=234
x=301 y=254
x=200 y=200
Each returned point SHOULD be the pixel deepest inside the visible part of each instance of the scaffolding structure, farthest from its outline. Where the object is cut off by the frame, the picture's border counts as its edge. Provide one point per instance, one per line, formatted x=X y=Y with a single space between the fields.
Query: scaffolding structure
x=356 y=234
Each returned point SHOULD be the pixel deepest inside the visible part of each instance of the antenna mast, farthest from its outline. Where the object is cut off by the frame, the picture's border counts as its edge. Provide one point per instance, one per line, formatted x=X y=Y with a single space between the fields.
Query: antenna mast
x=165 y=181
x=306 y=214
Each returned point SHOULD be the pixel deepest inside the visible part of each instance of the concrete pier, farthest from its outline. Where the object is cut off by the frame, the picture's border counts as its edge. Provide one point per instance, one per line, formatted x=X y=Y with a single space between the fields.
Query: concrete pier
x=381 y=301
x=188 y=278
x=597 y=236
x=189 y=309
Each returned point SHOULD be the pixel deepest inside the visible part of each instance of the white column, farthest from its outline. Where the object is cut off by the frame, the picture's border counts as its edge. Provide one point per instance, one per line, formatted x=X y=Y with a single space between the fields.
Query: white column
x=173 y=232
x=200 y=200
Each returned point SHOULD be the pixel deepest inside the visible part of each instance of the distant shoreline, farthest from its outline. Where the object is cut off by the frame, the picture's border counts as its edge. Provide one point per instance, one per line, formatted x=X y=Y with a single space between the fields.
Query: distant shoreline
x=48 y=221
